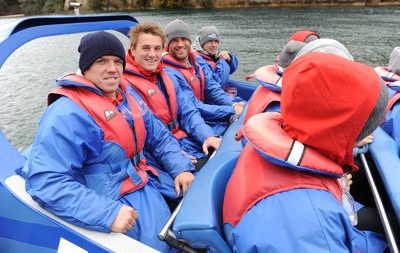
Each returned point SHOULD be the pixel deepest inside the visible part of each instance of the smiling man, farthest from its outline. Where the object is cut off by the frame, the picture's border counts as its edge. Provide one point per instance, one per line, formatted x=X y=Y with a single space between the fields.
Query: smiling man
x=164 y=97
x=87 y=164
x=220 y=62
x=215 y=105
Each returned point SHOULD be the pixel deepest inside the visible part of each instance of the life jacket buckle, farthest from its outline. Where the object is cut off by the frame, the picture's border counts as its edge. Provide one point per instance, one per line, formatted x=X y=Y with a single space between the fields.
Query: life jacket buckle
x=136 y=158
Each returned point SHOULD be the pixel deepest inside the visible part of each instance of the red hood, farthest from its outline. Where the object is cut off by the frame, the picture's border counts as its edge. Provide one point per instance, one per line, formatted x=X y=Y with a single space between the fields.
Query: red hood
x=326 y=100
x=302 y=35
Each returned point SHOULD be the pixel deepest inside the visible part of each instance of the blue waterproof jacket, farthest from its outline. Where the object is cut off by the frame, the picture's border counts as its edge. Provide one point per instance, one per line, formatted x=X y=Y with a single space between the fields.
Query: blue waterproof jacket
x=68 y=139
x=214 y=93
x=217 y=116
x=187 y=116
x=223 y=69
x=392 y=120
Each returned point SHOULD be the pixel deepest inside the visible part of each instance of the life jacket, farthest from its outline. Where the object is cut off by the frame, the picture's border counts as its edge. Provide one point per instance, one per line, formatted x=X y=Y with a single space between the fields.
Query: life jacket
x=113 y=123
x=260 y=100
x=386 y=75
x=164 y=106
x=272 y=162
x=208 y=59
x=230 y=90
x=195 y=79
x=392 y=101
x=267 y=93
x=270 y=74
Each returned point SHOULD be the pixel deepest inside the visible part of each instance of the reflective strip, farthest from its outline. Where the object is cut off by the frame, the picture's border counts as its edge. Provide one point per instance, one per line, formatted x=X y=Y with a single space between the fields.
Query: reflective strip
x=296 y=153
x=279 y=82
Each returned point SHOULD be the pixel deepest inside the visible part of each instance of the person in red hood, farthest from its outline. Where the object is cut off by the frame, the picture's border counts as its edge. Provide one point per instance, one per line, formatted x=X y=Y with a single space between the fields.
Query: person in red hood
x=283 y=195
x=304 y=36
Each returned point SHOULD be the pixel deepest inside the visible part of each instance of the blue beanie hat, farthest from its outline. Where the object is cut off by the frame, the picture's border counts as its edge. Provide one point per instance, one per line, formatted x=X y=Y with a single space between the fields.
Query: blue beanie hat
x=97 y=44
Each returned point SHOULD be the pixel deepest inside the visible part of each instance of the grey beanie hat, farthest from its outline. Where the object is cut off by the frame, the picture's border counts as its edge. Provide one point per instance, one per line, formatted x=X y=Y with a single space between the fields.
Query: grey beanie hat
x=97 y=44
x=377 y=114
x=289 y=52
x=177 y=29
x=208 y=33
x=394 y=61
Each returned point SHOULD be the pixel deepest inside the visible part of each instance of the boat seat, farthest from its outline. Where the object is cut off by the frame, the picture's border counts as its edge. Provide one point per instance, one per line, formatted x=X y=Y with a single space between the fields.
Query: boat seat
x=27 y=211
x=199 y=220
x=386 y=154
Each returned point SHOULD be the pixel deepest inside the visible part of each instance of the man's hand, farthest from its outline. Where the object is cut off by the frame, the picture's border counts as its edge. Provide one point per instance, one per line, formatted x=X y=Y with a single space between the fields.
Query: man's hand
x=239 y=108
x=213 y=142
x=125 y=220
x=224 y=55
x=192 y=158
x=365 y=141
x=183 y=180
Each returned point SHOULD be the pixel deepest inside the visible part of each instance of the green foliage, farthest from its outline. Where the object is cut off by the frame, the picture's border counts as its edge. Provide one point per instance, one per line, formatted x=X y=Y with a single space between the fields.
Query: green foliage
x=96 y=5
x=32 y=7
x=51 y=6
x=9 y=7
x=36 y=7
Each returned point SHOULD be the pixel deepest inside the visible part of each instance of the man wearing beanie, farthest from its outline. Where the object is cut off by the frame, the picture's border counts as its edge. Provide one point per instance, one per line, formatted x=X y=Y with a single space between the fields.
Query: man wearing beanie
x=87 y=164
x=284 y=187
x=221 y=63
x=215 y=105
x=165 y=99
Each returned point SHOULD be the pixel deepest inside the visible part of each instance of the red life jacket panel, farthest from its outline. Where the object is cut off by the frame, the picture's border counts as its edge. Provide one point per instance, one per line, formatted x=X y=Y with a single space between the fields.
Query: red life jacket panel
x=165 y=109
x=392 y=101
x=113 y=123
x=208 y=59
x=194 y=82
x=272 y=162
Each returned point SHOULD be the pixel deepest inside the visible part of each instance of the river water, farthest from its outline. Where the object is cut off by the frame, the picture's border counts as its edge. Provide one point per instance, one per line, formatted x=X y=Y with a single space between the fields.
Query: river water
x=255 y=35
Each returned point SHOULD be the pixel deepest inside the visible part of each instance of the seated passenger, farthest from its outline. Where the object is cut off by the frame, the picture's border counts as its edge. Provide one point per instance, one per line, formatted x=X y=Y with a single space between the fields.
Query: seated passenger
x=305 y=36
x=215 y=105
x=391 y=73
x=284 y=187
x=391 y=125
x=162 y=93
x=221 y=63
x=86 y=163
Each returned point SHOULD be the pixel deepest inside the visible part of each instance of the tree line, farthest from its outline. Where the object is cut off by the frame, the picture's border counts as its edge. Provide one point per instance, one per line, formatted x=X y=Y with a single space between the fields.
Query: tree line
x=37 y=7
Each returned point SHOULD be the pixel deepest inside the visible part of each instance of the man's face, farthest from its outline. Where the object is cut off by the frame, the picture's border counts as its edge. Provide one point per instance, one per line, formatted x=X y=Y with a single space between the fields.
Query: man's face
x=211 y=46
x=179 y=48
x=148 y=51
x=106 y=74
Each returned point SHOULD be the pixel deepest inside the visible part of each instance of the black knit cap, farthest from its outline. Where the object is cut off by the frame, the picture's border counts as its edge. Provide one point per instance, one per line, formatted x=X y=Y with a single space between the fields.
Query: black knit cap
x=97 y=44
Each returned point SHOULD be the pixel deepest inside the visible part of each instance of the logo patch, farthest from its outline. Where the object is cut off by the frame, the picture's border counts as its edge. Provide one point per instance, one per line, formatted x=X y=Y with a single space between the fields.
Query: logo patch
x=151 y=92
x=191 y=79
x=109 y=114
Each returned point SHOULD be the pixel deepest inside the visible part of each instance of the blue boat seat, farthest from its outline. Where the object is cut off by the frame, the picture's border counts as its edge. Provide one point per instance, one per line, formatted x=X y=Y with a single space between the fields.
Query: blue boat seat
x=199 y=221
x=386 y=154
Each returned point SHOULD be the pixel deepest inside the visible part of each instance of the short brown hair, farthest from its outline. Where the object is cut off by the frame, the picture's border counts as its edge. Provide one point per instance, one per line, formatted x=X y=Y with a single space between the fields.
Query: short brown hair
x=148 y=27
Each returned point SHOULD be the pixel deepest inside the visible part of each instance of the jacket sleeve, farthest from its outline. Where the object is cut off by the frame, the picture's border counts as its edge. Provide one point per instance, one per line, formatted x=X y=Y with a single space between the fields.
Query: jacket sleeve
x=189 y=117
x=163 y=145
x=233 y=64
x=213 y=91
x=63 y=140
x=392 y=122
x=217 y=113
